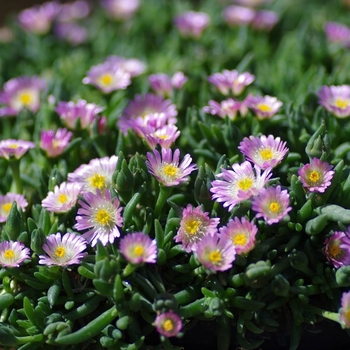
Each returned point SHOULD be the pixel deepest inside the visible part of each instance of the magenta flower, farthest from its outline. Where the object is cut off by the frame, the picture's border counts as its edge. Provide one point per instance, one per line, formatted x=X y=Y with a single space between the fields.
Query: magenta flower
x=264 y=107
x=336 y=99
x=168 y=324
x=265 y=20
x=21 y=93
x=194 y=225
x=265 y=152
x=239 y=184
x=241 y=232
x=228 y=108
x=63 y=251
x=80 y=114
x=191 y=23
x=133 y=66
x=344 y=311
x=166 y=169
x=160 y=83
x=120 y=9
x=14 y=148
x=272 y=204
x=238 y=15
x=62 y=199
x=316 y=176
x=100 y=215
x=6 y=202
x=337 y=248
x=215 y=254
x=178 y=80
x=12 y=254
x=231 y=81
x=138 y=248
x=164 y=136
x=337 y=33
x=55 y=143
x=73 y=33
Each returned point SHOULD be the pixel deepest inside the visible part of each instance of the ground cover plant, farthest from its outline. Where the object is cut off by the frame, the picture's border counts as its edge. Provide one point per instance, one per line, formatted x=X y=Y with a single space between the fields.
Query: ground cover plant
x=168 y=165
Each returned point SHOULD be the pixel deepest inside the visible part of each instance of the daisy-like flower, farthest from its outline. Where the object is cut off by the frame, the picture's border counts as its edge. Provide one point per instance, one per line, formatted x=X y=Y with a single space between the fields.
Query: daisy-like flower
x=194 y=225
x=54 y=143
x=316 y=176
x=191 y=23
x=138 y=248
x=133 y=66
x=80 y=114
x=101 y=216
x=264 y=107
x=215 y=254
x=238 y=15
x=337 y=33
x=241 y=232
x=148 y=109
x=336 y=99
x=63 y=251
x=239 y=184
x=15 y=148
x=166 y=169
x=95 y=176
x=164 y=84
x=231 y=81
x=63 y=198
x=168 y=324
x=6 y=202
x=265 y=20
x=21 y=93
x=108 y=77
x=272 y=204
x=265 y=152
x=344 y=311
x=164 y=136
x=337 y=248
x=12 y=254
x=120 y=9
x=73 y=33
x=229 y=108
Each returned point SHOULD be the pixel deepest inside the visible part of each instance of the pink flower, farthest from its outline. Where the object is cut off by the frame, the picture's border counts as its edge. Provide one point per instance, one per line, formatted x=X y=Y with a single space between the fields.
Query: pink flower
x=344 y=311
x=73 y=11
x=337 y=248
x=264 y=107
x=228 y=108
x=133 y=66
x=337 y=33
x=7 y=201
x=265 y=20
x=73 y=33
x=238 y=15
x=12 y=254
x=55 y=143
x=164 y=136
x=168 y=324
x=191 y=23
x=336 y=99
x=120 y=9
x=14 y=148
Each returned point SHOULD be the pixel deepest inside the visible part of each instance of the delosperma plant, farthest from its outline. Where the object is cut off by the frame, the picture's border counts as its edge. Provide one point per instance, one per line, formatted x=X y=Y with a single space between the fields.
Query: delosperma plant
x=173 y=163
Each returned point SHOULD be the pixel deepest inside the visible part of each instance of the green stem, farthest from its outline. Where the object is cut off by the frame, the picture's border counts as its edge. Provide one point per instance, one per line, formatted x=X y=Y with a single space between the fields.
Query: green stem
x=333 y=316
x=14 y=164
x=164 y=194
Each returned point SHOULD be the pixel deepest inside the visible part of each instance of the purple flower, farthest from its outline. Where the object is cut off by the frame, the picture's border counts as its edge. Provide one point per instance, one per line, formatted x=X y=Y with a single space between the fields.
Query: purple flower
x=120 y=9
x=14 y=148
x=63 y=198
x=265 y=152
x=73 y=33
x=344 y=312
x=55 y=143
x=228 y=108
x=166 y=169
x=63 y=251
x=264 y=107
x=161 y=84
x=101 y=216
x=337 y=33
x=238 y=15
x=164 y=136
x=168 y=324
x=138 y=248
x=265 y=20
x=194 y=225
x=191 y=23
x=178 y=80
x=6 y=202
x=337 y=248
x=73 y=11
x=336 y=99
x=133 y=66
x=241 y=232
x=239 y=184
x=215 y=254
x=272 y=204
x=316 y=176
x=21 y=93
x=12 y=254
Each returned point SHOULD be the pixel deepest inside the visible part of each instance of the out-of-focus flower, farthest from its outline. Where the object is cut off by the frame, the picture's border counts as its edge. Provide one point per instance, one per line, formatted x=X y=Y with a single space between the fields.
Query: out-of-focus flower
x=316 y=176
x=62 y=199
x=80 y=114
x=178 y=80
x=38 y=19
x=164 y=84
x=15 y=148
x=264 y=107
x=231 y=81
x=344 y=312
x=228 y=108
x=72 y=11
x=191 y=23
x=120 y=9
x=95 y=176
x=100 y=215
x=336 y=99
x=108 y=77
x=73 y=33
x=238 y=15
x=194 y=225
x=164 y=136
x=337 y=33
x=241 y=232
x=239 y=184
x=12 y=254
x=21 y=93
x=133 y=66
x=337 y=248
x=63 y=251
x=138 y=248
x=252 y=3
x=266 y=152
x=265 y=20
x=215 y=253
x=6 y=203
x=166 y=169
x=6 y=35
x=168 y=324
x=54 y=143
x=272 y=204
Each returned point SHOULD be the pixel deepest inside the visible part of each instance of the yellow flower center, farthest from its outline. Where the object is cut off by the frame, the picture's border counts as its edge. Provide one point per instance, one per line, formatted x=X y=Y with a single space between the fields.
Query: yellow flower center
x=274 y=207
x=245 y=184
x=25 y=98
x=266 y=154
x=239 y=239
x=215 y=257
x=342 y=104
x=103 y=217
x=62 y=198
x=168 y=325
x=334 y=250
x=347 y=314
x=192 y=226
x=138 y=250
x=106 y=79
x=97 y=181
x=264 y=107
x=60 y=252
x=9 y=254
x=13 y=146
x=7 y=207
x=170 y=170
x=314 y=176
